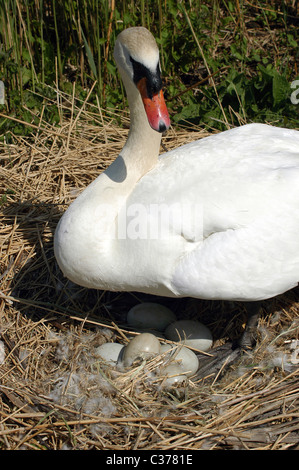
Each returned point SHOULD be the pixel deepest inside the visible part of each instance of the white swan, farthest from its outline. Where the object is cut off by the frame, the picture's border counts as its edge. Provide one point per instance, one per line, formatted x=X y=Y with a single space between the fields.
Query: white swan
x=215 y=219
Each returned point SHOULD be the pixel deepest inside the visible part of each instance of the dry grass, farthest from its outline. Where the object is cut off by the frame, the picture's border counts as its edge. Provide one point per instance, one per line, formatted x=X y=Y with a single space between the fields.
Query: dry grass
x=55 y=393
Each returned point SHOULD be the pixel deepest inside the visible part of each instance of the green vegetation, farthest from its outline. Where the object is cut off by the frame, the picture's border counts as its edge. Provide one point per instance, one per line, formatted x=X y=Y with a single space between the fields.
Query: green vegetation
x=224 y=62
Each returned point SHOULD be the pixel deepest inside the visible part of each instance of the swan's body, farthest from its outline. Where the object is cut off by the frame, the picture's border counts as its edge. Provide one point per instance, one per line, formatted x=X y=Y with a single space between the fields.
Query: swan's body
x=217 y=218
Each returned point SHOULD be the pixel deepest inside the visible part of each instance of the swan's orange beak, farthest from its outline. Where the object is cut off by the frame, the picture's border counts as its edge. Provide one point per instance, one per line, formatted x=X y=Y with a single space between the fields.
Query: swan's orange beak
x=155 y=108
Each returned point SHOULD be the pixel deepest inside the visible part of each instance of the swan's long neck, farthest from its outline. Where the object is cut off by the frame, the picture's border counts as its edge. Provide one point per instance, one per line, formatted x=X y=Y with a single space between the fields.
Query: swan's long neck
x=140 y=153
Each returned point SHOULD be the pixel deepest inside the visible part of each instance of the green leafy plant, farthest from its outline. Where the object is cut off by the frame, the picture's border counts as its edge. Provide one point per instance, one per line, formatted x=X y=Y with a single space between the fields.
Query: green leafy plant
x=223 y=62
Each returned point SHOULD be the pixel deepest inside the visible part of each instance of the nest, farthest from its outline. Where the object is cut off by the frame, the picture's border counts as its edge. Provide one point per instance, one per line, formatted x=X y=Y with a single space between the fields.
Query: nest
x=55 y=392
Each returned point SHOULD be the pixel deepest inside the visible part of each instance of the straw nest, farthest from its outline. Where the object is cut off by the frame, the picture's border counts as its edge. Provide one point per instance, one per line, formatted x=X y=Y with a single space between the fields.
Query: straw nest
x=55 y=393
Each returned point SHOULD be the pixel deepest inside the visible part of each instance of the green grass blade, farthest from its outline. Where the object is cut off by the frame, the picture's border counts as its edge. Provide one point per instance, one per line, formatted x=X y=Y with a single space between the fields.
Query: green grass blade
x=89 y=56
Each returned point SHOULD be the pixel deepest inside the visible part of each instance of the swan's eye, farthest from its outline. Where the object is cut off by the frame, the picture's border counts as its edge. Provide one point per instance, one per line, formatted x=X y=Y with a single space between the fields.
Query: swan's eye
x=153 y=79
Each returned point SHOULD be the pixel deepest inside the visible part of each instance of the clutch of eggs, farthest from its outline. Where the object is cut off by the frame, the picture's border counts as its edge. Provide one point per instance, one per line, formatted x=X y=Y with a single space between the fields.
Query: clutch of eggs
x=180 y=361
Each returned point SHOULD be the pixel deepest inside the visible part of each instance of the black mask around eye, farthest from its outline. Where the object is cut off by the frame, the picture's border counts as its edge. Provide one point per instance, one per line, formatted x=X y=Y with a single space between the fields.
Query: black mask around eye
x=153 y=80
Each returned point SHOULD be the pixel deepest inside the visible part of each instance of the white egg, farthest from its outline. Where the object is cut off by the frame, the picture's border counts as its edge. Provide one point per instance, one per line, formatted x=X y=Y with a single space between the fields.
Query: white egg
x=109 y=352
x=174 y=375
x=191 y=333
x=184 y=357
x=150 y=315
x=142 y=346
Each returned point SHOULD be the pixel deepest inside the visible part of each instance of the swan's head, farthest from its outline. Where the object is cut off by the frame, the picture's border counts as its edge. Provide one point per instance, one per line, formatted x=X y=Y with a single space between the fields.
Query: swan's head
x=137 y=55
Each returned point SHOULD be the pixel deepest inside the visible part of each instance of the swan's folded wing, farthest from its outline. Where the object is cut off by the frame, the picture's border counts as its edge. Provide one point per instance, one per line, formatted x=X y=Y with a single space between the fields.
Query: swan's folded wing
x=250 y=263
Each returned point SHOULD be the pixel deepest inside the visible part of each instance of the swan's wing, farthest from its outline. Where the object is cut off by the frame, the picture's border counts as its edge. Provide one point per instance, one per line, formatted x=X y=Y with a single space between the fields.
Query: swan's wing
x=243 y=187
x=251 y=263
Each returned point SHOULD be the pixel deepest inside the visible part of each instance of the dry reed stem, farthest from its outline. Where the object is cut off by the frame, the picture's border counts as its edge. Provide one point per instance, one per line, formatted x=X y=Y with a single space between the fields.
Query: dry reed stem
x=55 y=393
